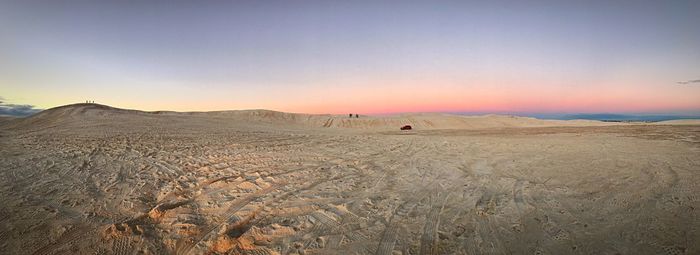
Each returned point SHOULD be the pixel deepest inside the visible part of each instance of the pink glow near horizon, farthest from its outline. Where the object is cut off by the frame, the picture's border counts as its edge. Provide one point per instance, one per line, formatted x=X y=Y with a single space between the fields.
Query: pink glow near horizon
x=532 y=98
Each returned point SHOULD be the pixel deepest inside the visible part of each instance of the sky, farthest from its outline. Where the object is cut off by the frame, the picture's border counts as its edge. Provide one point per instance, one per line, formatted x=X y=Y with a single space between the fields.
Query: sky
x=367 y=57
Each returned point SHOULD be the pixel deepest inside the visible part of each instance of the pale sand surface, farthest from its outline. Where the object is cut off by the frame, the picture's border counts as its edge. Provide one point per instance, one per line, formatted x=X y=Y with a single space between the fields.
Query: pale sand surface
x=89 y=179
x=680 y=122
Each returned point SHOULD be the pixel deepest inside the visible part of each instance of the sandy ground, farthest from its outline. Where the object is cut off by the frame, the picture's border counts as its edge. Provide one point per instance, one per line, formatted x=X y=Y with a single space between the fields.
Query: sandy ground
x=89 y=179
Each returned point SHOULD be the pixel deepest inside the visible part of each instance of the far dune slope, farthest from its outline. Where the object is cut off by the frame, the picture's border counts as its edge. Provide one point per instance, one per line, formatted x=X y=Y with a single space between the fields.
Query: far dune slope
x=95 y=114
x=679 y=122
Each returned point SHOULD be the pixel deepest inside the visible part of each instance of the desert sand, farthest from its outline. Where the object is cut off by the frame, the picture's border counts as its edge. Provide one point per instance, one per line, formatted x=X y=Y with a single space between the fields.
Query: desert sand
x=91 y=179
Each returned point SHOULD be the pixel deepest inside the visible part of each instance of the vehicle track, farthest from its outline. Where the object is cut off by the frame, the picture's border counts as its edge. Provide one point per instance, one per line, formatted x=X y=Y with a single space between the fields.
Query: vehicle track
x=429 y=244
x=73 y=235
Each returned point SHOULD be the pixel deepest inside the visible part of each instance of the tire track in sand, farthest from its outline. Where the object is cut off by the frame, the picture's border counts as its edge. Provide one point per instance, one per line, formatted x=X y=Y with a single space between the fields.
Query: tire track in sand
x=429 y=243
x=184 y=247
x=71 y=236
x=386 y=244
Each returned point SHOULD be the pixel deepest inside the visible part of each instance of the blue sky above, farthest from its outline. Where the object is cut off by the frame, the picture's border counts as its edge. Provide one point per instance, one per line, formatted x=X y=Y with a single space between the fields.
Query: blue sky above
x=311 y=55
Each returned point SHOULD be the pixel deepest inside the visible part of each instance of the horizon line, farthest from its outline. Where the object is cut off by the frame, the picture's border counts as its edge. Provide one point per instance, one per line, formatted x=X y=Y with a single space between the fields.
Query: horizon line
x=535 y=114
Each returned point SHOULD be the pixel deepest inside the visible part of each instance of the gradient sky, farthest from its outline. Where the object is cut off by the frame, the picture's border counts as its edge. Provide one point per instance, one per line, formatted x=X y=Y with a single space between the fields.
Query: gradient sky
x=355 y=56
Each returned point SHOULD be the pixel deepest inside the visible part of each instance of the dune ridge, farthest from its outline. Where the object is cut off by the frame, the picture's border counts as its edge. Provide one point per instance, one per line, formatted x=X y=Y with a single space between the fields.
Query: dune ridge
x=87 y=113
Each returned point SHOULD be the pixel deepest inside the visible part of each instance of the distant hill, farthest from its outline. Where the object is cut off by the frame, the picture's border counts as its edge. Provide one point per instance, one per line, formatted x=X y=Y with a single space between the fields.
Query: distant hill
x=16 y=110
x=77 y=116
x=81 y=115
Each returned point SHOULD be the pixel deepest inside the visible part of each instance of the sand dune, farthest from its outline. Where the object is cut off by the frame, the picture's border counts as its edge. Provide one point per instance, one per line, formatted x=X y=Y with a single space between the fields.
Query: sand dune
x=6 y=118
x=423 y=121
x=679 y=122
x=91 y=179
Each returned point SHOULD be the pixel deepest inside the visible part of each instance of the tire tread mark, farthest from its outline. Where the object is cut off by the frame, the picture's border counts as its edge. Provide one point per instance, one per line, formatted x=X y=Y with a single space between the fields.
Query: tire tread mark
x=72 y=235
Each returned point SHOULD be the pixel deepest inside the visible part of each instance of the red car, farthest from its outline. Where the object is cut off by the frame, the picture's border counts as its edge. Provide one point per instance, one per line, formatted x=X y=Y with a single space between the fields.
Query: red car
x=406 y=127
